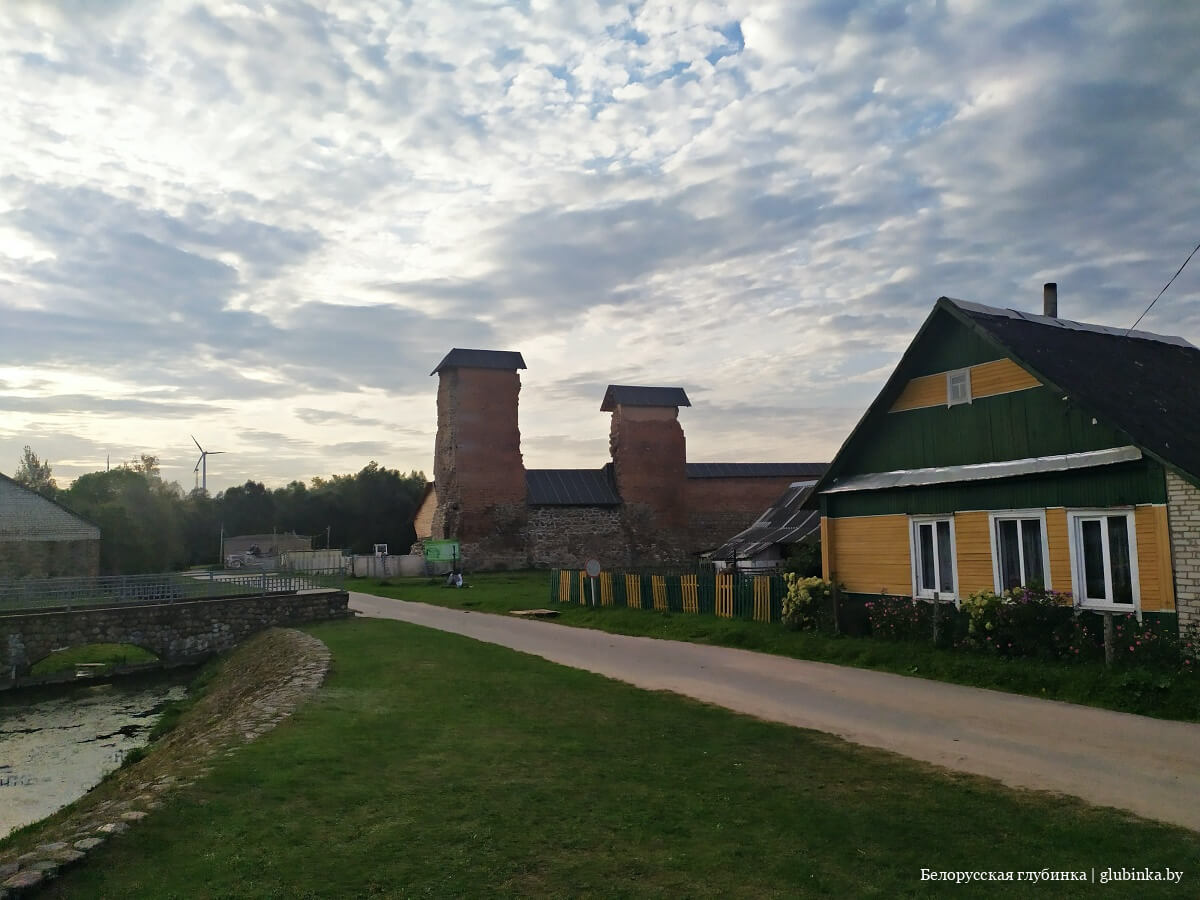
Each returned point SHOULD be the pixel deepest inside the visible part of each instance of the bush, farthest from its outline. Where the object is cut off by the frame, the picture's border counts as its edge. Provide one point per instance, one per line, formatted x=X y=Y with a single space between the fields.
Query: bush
x=1020 y=622
x=900 y=618
x=805 y=601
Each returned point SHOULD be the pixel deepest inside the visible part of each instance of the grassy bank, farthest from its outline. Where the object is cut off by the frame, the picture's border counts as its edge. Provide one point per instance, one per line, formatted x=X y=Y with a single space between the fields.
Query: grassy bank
x=432 y=765
x=1135 y=690
x=107 y=655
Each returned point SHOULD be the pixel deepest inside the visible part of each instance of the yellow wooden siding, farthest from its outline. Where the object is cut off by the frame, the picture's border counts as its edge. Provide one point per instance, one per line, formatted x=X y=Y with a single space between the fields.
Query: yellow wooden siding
x=1058 y=542
x=973 y=546
x=1000 y=376
x=869 y=554
x=1155 y=578
x=825 y=548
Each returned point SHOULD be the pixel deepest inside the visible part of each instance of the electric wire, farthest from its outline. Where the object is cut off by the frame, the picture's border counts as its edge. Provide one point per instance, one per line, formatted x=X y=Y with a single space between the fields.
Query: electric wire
x=1163 y=291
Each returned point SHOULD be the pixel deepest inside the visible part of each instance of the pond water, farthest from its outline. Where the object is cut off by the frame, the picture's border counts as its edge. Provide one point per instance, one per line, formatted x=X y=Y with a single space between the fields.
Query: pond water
x=56 y=747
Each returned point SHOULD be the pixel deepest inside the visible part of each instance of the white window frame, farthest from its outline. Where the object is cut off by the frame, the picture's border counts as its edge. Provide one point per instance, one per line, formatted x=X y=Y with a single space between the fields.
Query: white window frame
x=1079 y=582
x=1007 y=514
x=965 y=374
x=914 y=544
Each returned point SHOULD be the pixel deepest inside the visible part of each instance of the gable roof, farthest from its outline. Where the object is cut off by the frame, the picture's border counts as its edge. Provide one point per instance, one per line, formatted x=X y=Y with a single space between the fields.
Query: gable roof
x=25 y=515
x=637 y=395
x=1136 y=383
x=480 y=359
x=1142 y=384
x=570 y=487
x=786 y=521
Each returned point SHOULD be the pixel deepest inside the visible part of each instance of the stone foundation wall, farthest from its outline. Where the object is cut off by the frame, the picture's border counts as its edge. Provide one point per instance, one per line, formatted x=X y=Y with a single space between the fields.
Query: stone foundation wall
x=1183 y=517
x=568 y=536
x=172 y=631
x=49 y=559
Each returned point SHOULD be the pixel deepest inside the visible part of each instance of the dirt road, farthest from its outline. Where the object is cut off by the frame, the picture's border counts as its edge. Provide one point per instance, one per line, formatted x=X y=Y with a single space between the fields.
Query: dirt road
x=1148 y=766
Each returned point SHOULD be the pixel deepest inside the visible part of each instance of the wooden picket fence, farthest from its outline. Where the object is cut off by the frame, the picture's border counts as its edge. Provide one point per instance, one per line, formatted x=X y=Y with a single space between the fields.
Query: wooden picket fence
x=723 y=594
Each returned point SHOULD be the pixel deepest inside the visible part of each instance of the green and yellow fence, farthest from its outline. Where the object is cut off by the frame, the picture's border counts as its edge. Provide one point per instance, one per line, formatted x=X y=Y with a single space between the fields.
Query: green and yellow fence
x=724 y=594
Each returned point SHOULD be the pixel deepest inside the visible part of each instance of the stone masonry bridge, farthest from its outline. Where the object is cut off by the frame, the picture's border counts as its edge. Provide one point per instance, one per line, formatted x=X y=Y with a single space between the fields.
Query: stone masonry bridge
x=175 y=631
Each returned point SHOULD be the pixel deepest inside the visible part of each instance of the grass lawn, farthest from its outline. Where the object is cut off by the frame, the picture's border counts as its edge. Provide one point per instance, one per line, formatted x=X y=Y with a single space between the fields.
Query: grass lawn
x=106 y=654
x=1142 y=691
x=430 y=765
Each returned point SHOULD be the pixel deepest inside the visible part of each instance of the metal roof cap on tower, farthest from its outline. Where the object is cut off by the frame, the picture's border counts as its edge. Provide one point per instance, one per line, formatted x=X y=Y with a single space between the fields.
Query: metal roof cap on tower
x=636 y=395
x=480 y=359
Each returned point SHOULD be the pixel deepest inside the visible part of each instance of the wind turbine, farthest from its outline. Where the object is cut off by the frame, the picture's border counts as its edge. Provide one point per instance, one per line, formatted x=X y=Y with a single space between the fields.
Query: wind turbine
x=202 y=463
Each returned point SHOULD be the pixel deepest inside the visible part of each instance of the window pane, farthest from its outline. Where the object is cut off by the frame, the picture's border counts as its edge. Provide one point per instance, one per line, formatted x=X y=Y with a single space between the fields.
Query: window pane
x=925 y=556
x=945 y=558
x=1118 y=555
x=1010 y=560
x=1031 y=544
x=1093 y=559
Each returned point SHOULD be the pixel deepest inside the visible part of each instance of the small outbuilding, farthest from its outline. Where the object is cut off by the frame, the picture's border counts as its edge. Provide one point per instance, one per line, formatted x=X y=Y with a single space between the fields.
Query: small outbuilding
x=766 y=544
x=40 y=538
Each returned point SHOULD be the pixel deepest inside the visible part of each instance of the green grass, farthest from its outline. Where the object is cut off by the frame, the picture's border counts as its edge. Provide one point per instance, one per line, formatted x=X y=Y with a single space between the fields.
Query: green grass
x=1141 y=691
x=105 y=654
x=431 y=765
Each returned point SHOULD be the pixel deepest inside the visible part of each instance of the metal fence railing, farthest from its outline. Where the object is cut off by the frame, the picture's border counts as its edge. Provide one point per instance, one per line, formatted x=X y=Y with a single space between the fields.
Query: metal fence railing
x=24 y=594
x=723 y=594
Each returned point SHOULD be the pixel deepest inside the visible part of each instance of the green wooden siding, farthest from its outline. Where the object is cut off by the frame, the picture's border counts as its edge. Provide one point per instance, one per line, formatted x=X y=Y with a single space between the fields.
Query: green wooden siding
x=1124 y=484
x=947 y=344
x=1019 y=425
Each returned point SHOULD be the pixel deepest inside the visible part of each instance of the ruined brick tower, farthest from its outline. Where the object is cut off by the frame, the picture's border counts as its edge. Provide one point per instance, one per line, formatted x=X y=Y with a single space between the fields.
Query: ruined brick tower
x=477 y=465
x=649 y=455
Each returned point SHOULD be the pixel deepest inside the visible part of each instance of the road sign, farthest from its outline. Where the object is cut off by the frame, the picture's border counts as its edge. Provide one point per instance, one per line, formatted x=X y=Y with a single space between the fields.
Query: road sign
x=593 y=568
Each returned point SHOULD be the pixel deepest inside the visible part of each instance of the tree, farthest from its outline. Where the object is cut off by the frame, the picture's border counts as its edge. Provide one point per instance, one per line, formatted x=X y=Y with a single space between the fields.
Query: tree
x=35 y=474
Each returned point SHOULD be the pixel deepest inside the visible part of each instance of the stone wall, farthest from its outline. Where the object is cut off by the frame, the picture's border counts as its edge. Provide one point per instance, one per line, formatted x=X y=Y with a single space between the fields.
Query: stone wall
x=49 y=559
x=568 y=536
x=1183 y=517
x=172 y=631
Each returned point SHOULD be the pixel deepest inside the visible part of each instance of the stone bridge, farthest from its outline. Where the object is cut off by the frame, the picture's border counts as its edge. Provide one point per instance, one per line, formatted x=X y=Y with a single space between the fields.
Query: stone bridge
x=177 y=631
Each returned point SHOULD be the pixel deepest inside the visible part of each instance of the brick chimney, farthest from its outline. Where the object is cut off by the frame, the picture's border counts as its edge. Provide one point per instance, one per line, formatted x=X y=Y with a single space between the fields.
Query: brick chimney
x=1050 y=299
x=648 y=449
x=477 y=465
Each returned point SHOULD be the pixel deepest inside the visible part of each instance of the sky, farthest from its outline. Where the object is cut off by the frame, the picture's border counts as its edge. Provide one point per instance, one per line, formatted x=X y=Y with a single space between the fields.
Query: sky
x=265 y=224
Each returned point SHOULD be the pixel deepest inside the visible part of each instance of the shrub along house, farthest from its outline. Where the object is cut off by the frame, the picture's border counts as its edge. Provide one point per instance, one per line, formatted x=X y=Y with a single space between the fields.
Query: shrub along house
x=1013 y=449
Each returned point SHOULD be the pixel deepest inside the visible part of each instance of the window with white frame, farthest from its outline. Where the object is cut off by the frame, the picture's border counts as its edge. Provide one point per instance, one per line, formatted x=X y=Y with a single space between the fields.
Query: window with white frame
x=1104 y=558
x=932 y=552
x=1020 y=554
x=958 y=387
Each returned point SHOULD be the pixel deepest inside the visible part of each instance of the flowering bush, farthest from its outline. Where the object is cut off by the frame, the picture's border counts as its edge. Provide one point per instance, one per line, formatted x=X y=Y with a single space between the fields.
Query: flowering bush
x=900 y=618
x=804 y=601
x=1152 y=642
x=1020 y=622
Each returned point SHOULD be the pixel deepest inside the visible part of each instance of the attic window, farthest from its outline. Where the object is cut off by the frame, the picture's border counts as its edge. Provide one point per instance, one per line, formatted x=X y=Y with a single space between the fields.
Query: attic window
x=958 y=387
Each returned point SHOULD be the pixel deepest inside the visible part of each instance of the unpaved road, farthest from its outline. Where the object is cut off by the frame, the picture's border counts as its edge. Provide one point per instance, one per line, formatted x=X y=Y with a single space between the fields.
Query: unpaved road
x=1148 y=766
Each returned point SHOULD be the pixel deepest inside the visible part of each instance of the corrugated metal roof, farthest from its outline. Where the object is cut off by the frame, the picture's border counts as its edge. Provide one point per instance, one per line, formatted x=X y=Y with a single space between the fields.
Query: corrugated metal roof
x=756 y=470
x=480 y=359
x=1070 y=325
x=638 y=395
x=570 y=487
x=784 y=522
x=26 y=515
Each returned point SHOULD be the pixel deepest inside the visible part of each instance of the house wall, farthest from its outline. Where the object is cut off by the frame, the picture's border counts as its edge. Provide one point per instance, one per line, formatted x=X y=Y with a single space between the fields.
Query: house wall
x=49 y=559
x=1183 y=514
x=1000 y=376
x=870 y=554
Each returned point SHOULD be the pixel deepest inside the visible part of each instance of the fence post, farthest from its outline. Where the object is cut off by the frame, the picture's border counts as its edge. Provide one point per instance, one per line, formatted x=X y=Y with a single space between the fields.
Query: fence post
x=937 y=620
x=835 y=594
x=262 y=580
x=1109 y=639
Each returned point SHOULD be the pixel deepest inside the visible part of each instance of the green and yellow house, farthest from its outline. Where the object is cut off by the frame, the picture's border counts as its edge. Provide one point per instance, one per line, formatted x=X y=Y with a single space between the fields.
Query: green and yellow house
x=1009 y=448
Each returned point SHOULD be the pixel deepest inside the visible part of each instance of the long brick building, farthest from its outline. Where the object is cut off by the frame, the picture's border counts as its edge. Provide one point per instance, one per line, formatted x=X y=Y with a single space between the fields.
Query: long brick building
x=646 y=506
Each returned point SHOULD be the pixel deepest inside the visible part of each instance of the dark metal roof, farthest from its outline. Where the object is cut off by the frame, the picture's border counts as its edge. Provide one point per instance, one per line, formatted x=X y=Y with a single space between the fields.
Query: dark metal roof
x=570 y=487
x=1142 y=384
x=784 y=522
x=636 y=395
x=756 y=470
x=480 y=359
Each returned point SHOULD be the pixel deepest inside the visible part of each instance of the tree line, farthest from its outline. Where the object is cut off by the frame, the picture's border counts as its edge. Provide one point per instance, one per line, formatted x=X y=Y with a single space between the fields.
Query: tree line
x=151 y=525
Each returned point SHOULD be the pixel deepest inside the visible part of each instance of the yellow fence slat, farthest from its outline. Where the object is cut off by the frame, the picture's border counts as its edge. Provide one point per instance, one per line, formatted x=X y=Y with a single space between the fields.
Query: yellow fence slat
x=724 y=605
x=691 y=595
x=583 y=594
x=564 y=586
x=658 y=587
x=633 y=591
x=762 y=598
x=606 y=589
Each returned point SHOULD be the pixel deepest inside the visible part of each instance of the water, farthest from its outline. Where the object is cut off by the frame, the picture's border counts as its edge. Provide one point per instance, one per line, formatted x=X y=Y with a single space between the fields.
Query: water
x=54 y=749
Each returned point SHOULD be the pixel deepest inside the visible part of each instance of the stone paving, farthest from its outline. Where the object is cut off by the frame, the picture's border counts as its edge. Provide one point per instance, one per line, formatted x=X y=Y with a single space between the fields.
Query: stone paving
x=217 y=724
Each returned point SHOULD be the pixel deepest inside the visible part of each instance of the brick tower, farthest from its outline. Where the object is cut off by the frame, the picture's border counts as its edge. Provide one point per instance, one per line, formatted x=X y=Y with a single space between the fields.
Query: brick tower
x=477 y=466
x=649 y=456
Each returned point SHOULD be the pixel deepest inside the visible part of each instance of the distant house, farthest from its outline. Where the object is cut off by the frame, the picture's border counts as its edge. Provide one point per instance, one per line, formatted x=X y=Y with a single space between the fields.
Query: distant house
x=267 y=544
x=1008 y=449
x=767 y=543
x=40 y=538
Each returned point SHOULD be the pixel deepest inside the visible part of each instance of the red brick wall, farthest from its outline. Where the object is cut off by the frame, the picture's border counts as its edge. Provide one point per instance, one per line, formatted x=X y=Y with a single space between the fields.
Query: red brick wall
x=718 y=508
x=649 y=455
x=477 y=466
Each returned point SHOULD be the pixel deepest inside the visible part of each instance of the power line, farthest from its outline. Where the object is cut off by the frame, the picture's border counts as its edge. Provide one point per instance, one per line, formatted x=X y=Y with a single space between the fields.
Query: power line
x=1164 y=290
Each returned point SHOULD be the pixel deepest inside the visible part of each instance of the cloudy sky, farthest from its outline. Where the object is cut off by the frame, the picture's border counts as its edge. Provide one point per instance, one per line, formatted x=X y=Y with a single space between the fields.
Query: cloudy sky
x=264 y=224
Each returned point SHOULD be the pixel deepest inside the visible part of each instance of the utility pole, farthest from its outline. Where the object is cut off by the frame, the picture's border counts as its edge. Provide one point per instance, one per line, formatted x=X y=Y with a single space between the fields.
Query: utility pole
x=327 y=529
x=222 y=560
